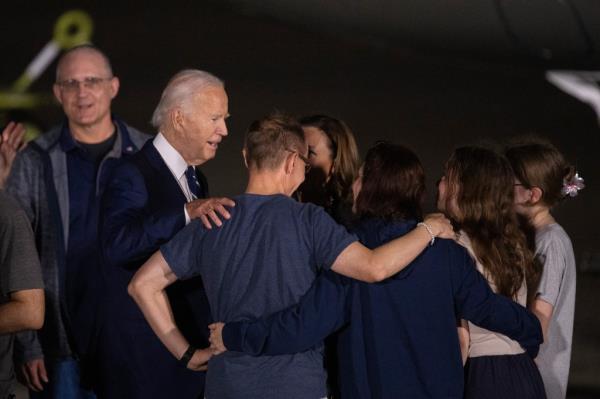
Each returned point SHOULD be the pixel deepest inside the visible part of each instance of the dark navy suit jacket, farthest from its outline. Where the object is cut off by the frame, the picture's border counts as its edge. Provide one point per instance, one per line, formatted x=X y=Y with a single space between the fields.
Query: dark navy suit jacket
x=401 y=341
x=142 y=209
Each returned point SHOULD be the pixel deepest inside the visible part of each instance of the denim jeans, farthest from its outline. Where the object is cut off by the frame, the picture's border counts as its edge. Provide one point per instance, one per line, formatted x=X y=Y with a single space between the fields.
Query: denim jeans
x=63 y=376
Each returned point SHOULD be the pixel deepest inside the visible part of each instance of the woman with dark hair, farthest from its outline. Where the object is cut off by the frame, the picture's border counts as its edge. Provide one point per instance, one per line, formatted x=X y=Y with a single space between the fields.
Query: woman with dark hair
x=333 y=155
x=476 y=192
x=334 y=160
x=398 y=337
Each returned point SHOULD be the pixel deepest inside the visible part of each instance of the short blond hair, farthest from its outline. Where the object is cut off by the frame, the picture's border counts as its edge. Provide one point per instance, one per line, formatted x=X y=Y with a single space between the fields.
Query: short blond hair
x=270 y=138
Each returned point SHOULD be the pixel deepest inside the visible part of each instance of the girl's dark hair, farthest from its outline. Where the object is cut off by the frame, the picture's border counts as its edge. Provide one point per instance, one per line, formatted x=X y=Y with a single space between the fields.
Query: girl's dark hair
x=393 y=183
x=481 y=181
x=537 y=163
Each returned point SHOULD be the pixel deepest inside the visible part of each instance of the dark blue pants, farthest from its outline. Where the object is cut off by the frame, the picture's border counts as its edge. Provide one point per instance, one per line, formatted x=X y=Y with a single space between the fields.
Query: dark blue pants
x=63 y=381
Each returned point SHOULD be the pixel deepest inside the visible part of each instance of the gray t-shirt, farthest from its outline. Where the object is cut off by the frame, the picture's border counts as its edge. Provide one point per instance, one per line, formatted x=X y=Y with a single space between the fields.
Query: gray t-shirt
x=557 y=287
x=260 y=261
x=19 y=270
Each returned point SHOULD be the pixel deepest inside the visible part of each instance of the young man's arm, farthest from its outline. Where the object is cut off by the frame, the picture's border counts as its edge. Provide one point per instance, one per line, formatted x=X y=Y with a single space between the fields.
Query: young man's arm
x=148 y=289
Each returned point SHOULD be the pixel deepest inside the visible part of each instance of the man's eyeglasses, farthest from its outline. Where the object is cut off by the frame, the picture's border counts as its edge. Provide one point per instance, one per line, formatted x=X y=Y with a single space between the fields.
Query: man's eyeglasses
x=91 y=83
x=307 y=164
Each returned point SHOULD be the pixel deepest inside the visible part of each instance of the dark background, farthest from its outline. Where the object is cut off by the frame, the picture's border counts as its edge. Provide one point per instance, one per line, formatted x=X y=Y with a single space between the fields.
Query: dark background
x=431 y=75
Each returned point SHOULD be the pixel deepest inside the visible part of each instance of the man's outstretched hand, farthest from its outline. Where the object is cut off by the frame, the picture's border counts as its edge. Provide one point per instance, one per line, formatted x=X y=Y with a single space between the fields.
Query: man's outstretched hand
x=11 y=142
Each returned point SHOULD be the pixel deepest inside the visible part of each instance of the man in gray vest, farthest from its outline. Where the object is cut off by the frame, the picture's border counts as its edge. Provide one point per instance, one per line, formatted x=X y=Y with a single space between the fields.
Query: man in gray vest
x=58 y=180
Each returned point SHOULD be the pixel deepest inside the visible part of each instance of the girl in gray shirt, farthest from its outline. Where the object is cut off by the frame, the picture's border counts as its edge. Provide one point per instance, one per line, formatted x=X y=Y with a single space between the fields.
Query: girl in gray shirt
x=542 y=179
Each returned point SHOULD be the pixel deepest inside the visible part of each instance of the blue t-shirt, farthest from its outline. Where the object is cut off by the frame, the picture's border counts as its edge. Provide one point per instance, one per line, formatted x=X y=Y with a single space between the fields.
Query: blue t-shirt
x=402 y=339
x=260 y=261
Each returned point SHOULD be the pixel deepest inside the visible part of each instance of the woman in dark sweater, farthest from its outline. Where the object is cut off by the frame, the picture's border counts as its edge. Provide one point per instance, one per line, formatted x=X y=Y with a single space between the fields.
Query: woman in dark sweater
x=398 y=337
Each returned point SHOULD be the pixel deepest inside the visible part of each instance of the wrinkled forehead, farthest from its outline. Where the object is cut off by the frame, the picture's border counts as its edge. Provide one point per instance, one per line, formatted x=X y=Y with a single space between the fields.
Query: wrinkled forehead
x=211 y=92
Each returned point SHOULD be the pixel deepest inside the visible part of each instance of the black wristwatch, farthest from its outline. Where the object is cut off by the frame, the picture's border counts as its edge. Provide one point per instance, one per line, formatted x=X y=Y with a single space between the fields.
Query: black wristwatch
x=185 y=359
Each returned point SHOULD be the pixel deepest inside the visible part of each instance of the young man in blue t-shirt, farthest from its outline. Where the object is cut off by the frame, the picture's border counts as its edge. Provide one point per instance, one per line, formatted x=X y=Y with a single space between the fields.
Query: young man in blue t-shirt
x=263 y=260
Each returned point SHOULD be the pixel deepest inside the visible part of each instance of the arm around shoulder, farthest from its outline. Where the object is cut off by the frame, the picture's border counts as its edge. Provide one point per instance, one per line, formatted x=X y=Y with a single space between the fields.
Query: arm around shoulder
x=361 y=263
x=475 y=302
x=320 y=312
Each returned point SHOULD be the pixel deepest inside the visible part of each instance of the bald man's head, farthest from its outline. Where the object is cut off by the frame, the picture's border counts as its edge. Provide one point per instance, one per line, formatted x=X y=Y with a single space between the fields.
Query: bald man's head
x=83 y=49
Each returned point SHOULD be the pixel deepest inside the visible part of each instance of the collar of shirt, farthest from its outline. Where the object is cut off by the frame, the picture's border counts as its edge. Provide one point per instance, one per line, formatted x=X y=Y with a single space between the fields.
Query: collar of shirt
x=123 y=145
x=172 y=158
x=174 y=161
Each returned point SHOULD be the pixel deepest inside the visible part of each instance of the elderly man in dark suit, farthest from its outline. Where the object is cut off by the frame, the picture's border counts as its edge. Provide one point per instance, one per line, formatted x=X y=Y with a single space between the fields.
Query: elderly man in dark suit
x=148 y=199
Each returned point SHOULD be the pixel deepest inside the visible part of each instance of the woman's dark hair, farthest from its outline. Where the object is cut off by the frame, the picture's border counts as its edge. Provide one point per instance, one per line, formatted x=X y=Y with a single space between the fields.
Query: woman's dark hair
x=393 y=183
x=481 y=181
x=344 y=154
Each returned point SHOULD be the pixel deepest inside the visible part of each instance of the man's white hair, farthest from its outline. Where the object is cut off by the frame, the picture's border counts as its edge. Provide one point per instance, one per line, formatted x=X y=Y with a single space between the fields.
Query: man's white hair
x=180 y=90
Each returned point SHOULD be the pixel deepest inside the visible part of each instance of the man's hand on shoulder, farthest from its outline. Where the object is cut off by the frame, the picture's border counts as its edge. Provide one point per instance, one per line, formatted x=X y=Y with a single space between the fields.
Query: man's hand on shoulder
x=207 y=209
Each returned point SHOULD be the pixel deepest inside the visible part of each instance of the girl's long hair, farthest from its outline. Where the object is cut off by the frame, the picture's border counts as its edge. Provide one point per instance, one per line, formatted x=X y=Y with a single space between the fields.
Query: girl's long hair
x=482 y=183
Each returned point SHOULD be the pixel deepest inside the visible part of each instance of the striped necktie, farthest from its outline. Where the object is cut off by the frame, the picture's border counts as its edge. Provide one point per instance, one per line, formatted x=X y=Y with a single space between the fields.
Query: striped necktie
x=193 y=183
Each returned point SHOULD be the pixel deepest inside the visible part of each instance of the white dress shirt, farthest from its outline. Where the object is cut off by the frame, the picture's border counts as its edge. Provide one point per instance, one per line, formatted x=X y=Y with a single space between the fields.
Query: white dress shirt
x=176 y=165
